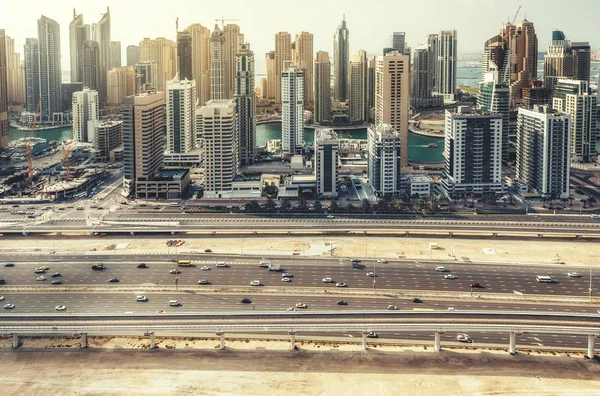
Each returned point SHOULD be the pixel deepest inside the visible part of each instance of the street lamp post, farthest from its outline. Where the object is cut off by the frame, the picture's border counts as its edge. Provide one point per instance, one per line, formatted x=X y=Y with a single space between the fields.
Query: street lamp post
x=590 y=290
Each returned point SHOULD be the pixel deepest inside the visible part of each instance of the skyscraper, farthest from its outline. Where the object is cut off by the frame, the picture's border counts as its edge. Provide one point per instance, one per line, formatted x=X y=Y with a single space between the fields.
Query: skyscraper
x=558 y=61
x=115 y=54
x=371 y=87
x=303 y=59
x=217 y=128
x=421 y=90
x=233 y=39
x=341 y=52
x=384 y=159
x=573 y=97
x=217 y=64
x=108 y=136
x=496 y=58
x=133 y=54
x=32 y=73
x=120 y=84
x=543 y=163
x=472 y=153
x=357 y=87
x=283 y=55
x=15 y=72
x=581 y=60
x=326 y=161
x=392 y=95
x=90 y=64
x=495 y=97
x=164 y=53
x=184 y=55
x=78 y=33
x=271 y=75
x=292 y=96
x=200 y=61
x=86 y=115
x=433 y=45
x=322 y=88
x=398 y=41
x=523 y=45
x=143 y=139
x=101 y=34
x=245 y=100
x=50 y=69
x=180 y=117
x=3 y=92
x=446 y=67
x=146 y=73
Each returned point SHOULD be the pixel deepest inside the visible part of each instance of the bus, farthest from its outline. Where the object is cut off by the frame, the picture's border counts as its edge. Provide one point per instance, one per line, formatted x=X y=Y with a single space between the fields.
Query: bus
x=184 y=263
x=174 y=204
x=543 y=279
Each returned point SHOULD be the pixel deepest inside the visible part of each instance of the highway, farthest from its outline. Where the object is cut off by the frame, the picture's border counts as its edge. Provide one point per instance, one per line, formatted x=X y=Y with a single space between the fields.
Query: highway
x=307 y=273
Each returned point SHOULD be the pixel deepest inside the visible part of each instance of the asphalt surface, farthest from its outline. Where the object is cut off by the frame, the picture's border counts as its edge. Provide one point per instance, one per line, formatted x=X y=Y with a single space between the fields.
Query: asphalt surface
x=310 y=273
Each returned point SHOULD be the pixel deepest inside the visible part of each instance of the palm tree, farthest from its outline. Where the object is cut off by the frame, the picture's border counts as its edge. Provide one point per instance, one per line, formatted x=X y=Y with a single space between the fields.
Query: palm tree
x=302 y=205
x=592 y=201
x=253 y=206
x=318 y=206
x=270 y=204
x=399 y=204
x=334 y=207
x=417 y=207
x=431 y=203
x=285 y=204
x=366 y=205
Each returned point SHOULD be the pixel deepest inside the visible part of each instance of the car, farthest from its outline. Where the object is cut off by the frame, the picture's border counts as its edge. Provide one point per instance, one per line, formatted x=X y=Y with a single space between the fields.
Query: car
x=174 y=271
x=287 y=275
x=142 y=265
x=301 y=305
x=392 y=307
x=340 y=284
x=205 y=268
x=372 y=334
x=39 y=271
x=599 y=311
x=330 y=216
x=383 y=261
x=141 y=298
x=55 y=275
x=207 y=251
x=463 y=338
x=452 y=309
x=174 y=303
x=9 y=264
x=56 y=282
x=371 y=274
x=355 y=260
x=112 y=280
x=203 y=282
x=255 y=283
x=286 y=279
x=264 y=263
x=44 y=267
x=327 y=280
x=449 y=276
x=60 y=308
x=246 y=301
x=221 y=264
x=441 y=269
x=9 y=306
x=290 y=309
x=417 y=300
x=40 y=278
x=474 y=285
x=1 y=298
x=573 y=275
x=342 y=302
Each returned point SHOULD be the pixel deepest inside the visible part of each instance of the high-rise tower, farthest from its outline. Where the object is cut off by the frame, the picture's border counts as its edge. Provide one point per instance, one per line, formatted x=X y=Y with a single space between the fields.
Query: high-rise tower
x=271 y=75
x=322 y=88
x=101 y=34
x=180 y=118
x=357 y=87
x=50 y=75
x=398 y=41
x=303 y=59
x=3 y=93
x=184 y=55
x=164 y=53
x=32 y=73
x=217 y=64
x=292 y=96
x=446 y=67
x=200 y=61
x=233 y=39
x=245 y=100
x=78 y=33
x=90 y=64
x=341 y=53
x=283 y=55
x=523 y=45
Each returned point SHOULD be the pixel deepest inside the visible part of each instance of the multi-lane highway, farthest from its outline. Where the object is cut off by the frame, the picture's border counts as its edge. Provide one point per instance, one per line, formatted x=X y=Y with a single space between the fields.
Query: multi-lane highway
x=308 y=273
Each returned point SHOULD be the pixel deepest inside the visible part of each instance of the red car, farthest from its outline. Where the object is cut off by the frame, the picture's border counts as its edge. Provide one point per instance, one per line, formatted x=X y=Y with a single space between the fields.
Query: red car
x=475 y=284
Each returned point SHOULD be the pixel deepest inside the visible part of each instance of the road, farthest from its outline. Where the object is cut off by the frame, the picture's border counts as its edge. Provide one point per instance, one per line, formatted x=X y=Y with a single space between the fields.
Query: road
x=310 y=273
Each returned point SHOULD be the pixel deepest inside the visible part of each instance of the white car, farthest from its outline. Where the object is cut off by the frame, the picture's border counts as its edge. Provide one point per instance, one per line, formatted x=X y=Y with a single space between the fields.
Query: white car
x=441 y=269
x=60 y=308
x=452 y=309
x=174 y=271
x=383 y=261
x=573 y=275
x=286 y=275
x=40 y=278
x=449 y=276
x=371 y=274
x=141 y=298
x=203 y=282
x=39 y=271
x=9 y=306
x=327 y=280
x=1 y=298
x=340 y=284
x=290 y=309
x=331 y=217
x=174 y=303
x=392 y=307
x=205 y=268
x=286 y=279
x=255 y=283
x=463 y=338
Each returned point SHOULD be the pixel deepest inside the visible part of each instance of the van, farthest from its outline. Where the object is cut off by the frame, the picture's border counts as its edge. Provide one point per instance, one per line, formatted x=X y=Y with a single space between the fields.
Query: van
x=174 y=303
x=543 y=279
x=221 y=264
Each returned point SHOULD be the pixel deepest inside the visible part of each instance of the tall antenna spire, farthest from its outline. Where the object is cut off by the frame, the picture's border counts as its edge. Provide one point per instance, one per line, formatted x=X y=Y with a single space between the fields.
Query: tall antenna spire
x=176 y=41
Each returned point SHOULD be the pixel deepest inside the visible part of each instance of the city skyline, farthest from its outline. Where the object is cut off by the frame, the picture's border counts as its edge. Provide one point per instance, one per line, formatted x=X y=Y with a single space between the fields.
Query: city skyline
x=370 y=37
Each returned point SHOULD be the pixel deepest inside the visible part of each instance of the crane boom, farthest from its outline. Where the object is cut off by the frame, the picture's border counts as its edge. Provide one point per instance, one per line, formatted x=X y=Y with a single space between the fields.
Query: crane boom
x=223 y=19
x=516 y=15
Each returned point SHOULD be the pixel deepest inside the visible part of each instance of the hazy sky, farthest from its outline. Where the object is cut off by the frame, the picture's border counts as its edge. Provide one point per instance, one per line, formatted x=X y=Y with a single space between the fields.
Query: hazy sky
x=370 y=22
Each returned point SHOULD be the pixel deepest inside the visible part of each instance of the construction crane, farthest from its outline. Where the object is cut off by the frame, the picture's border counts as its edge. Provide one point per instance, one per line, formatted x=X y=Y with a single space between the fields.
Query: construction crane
x=516 y=15
x=67 y=146
x=508 y=27
x=223 y=19
x=28 y=146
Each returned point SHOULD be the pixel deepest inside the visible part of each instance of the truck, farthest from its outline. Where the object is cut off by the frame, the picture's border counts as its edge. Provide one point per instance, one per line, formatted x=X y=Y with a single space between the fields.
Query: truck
x=98 y=267
x=274 y=267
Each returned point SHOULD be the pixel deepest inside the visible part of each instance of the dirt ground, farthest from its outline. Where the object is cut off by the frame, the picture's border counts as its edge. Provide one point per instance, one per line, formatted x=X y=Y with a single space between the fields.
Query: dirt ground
x=260 y=372
x=476 y=250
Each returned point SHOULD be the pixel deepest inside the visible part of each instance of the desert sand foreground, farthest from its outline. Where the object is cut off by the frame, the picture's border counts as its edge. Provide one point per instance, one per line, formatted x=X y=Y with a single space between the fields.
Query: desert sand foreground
x=259 y=372
x=579 y=253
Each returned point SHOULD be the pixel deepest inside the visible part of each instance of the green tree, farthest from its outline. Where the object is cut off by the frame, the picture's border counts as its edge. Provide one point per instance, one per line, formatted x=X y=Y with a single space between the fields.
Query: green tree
x=417 y=207
x=366 y=205
x=286 y=204
x=253 y=206
x=270 y=204
x=334 y=207
x=318 y=206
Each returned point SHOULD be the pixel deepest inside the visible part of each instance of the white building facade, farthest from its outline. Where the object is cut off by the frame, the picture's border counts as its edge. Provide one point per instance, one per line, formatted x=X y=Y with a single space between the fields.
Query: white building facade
x=292 y=97
x=86 y=114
